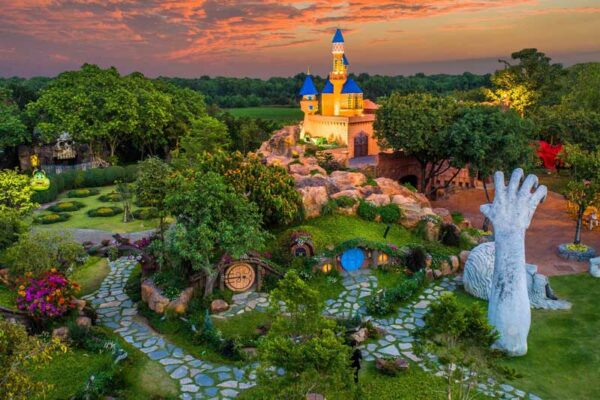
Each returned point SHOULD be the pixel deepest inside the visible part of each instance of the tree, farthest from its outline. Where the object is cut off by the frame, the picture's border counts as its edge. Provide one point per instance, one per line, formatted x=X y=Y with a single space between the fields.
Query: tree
x=19 y=355
x=40 y=251
x=13 y=131
x=584 y=187
x=531 y=82
x=418 y=124
x=93 y=105
x=152 y=187
x=583 y=82
x=270 y=187
x=206 y=134
x=461 y=337
x=213 y=220
x=490 y=140
x=303 y=343
x=15 y=192
x=562 y=124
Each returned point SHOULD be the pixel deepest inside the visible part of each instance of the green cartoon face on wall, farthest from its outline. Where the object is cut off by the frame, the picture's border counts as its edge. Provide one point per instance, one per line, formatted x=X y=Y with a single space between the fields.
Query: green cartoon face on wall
x=40 y=181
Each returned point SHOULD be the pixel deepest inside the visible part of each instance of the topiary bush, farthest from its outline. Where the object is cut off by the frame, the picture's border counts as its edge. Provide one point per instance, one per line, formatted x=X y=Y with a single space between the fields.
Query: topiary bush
x=145 y=213
x=78 y=193
x=345 y=201
x=104 y=211
x=416 y=258
x=390 y=213
x=51 y=218
x=367 y=211
x=112 y=197
x=66 y=206
x=450 y=235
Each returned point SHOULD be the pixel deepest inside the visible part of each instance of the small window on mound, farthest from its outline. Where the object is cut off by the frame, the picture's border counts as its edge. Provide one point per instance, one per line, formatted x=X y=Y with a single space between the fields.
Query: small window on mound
x=310 y=107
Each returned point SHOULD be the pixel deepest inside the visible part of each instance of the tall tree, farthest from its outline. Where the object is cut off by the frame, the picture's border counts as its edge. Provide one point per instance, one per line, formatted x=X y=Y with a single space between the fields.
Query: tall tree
x=152 y=187
x=12 y=129
x=213 y=220
x=418 y=125
x=530 y=82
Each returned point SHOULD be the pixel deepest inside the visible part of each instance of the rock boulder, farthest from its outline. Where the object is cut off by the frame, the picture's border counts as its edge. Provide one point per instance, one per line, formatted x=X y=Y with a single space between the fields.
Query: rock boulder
x=313 y=199
x=344 y=180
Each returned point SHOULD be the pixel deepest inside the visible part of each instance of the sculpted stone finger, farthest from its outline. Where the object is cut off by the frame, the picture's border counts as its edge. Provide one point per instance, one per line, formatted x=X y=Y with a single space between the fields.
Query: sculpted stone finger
x=515 y=180
x=538 y=196
x=486 y=209
x=531 y=182
x=499 y=187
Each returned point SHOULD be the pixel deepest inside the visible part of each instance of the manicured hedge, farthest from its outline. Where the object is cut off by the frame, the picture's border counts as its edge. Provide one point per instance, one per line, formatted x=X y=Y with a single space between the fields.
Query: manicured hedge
x=90 y=178
x=82 y=192
x=67 y=206
x=145 y=213
x=51 y=218
x=104 y=211
x=112 y=197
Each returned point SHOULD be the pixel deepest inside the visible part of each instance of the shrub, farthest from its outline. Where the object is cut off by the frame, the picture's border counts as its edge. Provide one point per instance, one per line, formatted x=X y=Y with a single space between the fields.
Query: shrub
x=47 y=296
x=410 y=187
x=379 y=304
x=131 y=172
x=390 y=213
x=66 y=206
x=82 y=193
x=112 y=197
x=345 y=201
x=145 y=213
x=367 y=211
x=94 y=177
x=104 y=212
x=11 y=226
x=416 y=258
x=384 y=302
x=51 y=218
x=39 y=251
x=450 y=235
x=329 y=208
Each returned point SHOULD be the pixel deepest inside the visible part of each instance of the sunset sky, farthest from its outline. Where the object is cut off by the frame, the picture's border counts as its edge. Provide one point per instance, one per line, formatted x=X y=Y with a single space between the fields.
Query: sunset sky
x=282 y=38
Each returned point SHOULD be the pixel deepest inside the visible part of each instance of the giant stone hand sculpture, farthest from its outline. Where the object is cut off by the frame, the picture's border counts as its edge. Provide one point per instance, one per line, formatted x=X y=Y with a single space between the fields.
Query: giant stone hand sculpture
x=511 y=212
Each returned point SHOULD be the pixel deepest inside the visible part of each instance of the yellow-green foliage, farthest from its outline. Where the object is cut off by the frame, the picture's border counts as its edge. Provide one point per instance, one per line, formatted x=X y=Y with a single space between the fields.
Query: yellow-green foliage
x=15 y=192
x=19 y=352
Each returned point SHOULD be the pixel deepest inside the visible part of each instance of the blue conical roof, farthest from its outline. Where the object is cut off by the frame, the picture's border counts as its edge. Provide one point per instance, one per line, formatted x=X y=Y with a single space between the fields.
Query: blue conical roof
x=351 y=87
x=328 y=87
x=308 y=87
x=346 y=63
x=338 y=38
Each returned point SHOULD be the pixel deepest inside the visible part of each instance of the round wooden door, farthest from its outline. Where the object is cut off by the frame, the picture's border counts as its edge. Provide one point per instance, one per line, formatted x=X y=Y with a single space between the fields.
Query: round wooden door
x=240 y=277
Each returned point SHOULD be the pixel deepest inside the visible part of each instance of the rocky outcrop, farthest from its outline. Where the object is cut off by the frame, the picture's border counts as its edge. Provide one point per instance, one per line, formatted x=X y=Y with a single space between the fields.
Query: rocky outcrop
x=344 y=180
x=313 y=199
x=379 y=199
x=157 y=302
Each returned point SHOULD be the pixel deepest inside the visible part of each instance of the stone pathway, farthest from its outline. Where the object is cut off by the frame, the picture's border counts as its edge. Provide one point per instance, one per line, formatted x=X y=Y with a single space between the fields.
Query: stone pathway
x=197 y=379
x=202 y=380
x=359 y=285
x=244 y=302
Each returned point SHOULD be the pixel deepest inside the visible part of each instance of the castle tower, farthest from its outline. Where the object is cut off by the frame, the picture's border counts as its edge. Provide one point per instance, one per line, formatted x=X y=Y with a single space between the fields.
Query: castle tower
x=309 y=103
x=339 y=71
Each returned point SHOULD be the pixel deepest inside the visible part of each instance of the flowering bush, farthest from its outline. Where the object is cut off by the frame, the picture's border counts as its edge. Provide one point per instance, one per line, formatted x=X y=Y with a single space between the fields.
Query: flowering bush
x=46 y=296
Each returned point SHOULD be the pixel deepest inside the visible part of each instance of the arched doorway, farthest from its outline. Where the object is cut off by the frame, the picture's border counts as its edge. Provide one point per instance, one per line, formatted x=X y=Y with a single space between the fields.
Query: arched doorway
x=361 y=145
x=411 y=179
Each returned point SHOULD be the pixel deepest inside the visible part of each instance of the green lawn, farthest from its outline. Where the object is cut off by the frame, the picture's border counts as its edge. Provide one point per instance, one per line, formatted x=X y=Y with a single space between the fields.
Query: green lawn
x=141 y=378
x=274 y=113
x=91 y=274
x=80 y=219
x=7 y=297
x=563 y=358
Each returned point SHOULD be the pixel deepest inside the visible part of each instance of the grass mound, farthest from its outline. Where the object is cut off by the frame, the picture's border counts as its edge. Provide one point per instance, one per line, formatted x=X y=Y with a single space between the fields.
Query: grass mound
x=104 y=212
x=86 y=192
x=67 y=206
x=51 y=218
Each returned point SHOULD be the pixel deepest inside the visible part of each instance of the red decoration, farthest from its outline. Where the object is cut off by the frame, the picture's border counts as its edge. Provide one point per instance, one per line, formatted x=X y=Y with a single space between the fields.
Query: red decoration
x=548 y=153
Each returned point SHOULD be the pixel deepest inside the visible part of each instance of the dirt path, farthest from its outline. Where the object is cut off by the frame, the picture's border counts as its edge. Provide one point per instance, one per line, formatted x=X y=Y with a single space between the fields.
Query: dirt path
x=551 y=226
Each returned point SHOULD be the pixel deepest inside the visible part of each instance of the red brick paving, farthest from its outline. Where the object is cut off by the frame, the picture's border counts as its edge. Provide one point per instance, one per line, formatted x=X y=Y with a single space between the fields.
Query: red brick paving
x=551 y=226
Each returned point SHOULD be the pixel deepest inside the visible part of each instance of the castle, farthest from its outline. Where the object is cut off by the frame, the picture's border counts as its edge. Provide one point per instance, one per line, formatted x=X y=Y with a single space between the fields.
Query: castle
x=341 y=114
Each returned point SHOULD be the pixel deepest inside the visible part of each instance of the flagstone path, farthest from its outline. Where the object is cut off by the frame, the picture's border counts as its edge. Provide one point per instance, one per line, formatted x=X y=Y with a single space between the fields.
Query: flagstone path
x=202 y=380
x=197 y=379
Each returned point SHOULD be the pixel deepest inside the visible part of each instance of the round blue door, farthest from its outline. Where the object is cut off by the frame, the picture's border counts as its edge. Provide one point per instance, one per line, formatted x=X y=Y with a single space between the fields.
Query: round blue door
x=352 y=259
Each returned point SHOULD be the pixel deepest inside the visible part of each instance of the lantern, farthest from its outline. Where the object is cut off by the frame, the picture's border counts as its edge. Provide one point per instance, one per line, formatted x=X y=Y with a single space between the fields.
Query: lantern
x=382 y=258
x=326 y=268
